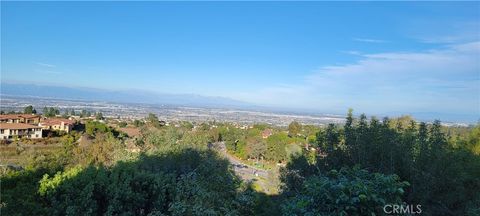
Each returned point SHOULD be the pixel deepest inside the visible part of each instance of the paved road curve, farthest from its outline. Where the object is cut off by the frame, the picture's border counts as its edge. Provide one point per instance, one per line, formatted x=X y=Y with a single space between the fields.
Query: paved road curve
x=245 y=171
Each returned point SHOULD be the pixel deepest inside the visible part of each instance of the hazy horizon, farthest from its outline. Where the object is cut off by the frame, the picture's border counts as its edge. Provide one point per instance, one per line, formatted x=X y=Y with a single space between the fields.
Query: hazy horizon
x=132 y=97
x=420 y=57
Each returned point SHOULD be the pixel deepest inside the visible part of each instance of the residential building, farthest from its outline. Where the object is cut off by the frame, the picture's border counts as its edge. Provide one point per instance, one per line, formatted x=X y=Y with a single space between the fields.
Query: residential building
x=266 y=133
x=19 y=130
x=57 y=124
x=20 y=118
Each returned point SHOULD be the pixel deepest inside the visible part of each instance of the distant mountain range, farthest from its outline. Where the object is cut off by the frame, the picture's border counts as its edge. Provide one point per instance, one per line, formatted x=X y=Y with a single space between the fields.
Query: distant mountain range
x=123 y=96
x=191 y=100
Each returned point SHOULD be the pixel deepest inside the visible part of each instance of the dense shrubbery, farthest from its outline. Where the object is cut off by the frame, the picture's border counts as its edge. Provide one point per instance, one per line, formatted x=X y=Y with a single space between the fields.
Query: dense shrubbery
x=185 y=183
x=345 y=192
x=94 y=127
x=19 y=193
x=249 y=143
x=444 y=179
x=174 y=139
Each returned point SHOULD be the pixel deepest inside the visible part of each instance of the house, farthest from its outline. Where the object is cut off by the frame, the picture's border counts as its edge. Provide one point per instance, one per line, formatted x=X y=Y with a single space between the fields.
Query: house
x=58 y=124
x=20 y=118
x=19 y=130
x=162 y=123
x=74 y=118
x=130 y=131
x=266 y=133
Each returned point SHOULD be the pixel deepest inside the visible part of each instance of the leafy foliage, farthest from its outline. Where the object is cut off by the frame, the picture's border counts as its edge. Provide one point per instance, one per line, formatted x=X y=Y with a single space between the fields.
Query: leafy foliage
x=122 y=124
x=276 y=147
x=50 y=111
x=152 y=120
x=294 y=129
x=443 y=178
x=345 y=192
x=29 y=110
x=187 y=183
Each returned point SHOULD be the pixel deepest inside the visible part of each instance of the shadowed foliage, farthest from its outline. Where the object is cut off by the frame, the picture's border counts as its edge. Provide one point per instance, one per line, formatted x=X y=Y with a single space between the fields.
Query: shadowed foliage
x=189 y=182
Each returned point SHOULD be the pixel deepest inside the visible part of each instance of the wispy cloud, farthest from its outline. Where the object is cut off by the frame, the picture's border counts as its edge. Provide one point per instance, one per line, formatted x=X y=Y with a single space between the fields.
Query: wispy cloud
x=47 y=69
x=446 y=79
x=352 y=52
x=369 y=40
x=443 y=31
x=46 y=65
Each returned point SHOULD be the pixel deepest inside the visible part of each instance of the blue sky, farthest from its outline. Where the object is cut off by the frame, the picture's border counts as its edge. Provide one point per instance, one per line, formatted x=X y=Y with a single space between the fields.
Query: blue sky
x=377 y=57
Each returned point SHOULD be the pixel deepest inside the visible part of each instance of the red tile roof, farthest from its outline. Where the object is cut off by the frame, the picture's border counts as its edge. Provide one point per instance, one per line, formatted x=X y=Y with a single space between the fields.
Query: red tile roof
x=17 y=116
x=56 y=121
x=267 y=133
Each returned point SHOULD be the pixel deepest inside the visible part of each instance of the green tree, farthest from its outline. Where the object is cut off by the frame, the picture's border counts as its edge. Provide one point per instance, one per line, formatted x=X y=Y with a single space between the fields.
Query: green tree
x=50 y=112
x=83 y=113
x=65 y=114
x=294 y=129
x=418 y=153
x=345 y=192
x=122 y=124
x=29 y=110
x=138 y=123
x=45 y=111
x=437 y=140
x=350 y=135
x=99 y=116
x=94 y=127
x=328 y=141
x=152 y=120
x=473 y=140
x=256 y=147
x=424 y=146
x=104 y=150
x=276 y=144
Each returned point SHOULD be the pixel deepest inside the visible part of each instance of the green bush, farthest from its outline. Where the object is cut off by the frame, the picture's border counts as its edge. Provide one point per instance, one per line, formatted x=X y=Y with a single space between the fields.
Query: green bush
x=187 y=183
x=346 y=192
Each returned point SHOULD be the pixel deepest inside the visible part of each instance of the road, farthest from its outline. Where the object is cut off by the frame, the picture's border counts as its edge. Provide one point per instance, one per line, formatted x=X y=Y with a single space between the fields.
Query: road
x=246 y=172
x=240 y=168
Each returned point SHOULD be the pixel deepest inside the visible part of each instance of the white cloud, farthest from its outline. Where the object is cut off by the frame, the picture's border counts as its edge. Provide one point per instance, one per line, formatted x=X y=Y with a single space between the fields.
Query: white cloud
x=46 y=65
x=352 y=52
x=446 y=79
x=443 y=31
x=46 y=69
x=369 y=40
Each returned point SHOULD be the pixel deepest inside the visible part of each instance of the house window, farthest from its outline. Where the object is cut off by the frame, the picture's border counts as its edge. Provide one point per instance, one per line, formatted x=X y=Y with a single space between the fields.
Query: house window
x=1 y=131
